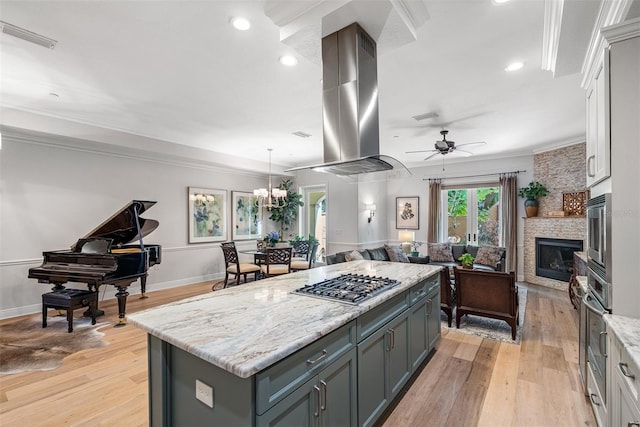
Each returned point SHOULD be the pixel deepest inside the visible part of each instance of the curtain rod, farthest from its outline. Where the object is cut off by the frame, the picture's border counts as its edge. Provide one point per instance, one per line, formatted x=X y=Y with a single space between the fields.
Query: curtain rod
x=473 y=176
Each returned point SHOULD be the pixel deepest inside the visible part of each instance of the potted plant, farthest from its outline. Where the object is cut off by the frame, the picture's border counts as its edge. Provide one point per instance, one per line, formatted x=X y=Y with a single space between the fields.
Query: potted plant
x=467 y=260
x=287 y=214
x=414 y=248
x=531 y=194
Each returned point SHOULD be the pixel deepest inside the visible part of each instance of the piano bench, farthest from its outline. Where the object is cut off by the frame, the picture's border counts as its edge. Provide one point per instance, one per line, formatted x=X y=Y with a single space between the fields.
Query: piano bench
x=70 y=299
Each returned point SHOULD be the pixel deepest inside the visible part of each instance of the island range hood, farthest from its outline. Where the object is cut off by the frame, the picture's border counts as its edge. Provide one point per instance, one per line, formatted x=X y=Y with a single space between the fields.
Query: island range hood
x=350 y=106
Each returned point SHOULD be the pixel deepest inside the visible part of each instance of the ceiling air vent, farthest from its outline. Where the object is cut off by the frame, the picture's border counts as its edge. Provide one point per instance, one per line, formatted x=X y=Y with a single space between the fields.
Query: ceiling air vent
x=301 y=134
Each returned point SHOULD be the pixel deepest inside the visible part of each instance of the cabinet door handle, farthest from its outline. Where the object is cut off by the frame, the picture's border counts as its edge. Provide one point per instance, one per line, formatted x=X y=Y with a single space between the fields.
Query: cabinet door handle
x=317 y=390
x=603 y=350
x=322 y=356
x=325 y=388
x=589 y=163
x=592 y=396
x=624 y=368
x=429 y=306
x=389 y=345
x=393 y=339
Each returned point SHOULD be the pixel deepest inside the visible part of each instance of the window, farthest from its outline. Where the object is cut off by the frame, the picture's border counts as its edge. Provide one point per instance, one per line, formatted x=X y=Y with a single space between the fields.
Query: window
x=473 y=215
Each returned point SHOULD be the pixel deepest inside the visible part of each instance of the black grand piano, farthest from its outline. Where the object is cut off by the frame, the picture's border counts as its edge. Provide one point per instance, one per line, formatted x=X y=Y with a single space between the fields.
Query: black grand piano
x=102 y=256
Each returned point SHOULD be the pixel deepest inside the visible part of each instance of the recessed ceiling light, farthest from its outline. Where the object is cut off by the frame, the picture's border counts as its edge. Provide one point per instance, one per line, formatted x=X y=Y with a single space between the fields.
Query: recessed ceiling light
x=498 y=2
x=288 y=60
x=241 y=24
x=514 y=66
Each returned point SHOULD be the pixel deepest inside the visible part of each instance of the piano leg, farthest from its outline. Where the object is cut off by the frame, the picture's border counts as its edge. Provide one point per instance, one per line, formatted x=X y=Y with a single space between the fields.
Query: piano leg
x=122 y=295
x=143 y=287
x=87 y=313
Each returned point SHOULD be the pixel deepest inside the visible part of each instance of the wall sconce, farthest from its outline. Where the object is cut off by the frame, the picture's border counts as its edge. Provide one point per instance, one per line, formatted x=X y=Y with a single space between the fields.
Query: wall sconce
x=372 y=211
x=406 y=237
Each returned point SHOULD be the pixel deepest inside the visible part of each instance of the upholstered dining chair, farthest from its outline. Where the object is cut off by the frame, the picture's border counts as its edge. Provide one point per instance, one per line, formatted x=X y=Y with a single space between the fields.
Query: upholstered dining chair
x=233 y=265
x=305 y=264
x=301 y=250
x=277 y=261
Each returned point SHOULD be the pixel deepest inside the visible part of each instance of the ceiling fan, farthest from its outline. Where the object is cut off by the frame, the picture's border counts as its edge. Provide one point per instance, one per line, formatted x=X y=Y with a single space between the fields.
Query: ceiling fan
x=446 y=147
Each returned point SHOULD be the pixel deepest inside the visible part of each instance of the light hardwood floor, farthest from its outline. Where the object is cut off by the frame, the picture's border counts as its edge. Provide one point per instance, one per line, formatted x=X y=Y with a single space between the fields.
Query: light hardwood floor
x=469 y=381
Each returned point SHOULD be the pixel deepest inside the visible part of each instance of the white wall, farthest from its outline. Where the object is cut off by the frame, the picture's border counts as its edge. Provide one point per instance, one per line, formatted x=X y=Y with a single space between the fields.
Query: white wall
x=54 y=190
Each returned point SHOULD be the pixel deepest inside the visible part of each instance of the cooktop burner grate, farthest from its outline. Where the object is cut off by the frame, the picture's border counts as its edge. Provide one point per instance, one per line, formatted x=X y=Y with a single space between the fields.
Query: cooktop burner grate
x=349 y=288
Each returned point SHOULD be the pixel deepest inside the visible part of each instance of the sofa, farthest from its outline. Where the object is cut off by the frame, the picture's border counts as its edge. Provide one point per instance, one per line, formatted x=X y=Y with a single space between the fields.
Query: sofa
x=486 y=258
x=382 y=253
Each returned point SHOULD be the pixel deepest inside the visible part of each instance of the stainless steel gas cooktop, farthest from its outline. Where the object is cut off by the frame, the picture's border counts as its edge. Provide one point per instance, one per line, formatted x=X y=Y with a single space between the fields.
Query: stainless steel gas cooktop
x=349 y=288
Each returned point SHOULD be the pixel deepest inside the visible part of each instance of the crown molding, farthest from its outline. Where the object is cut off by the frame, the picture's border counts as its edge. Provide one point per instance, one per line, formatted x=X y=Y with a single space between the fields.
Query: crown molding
x=611 y=12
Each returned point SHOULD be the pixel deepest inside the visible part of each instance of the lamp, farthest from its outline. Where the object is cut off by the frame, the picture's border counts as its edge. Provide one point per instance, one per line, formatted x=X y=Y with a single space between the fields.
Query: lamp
x=406 y=237
x=275 y=197
x=372 y=211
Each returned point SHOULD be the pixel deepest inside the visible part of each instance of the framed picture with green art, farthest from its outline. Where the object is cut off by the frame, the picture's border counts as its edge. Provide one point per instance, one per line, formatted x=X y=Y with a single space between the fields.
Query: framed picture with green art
x=245 y=216
x=207 y=215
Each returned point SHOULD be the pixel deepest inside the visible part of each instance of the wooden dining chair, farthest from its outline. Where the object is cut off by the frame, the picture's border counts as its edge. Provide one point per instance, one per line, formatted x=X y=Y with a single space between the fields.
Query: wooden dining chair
x=277 y=262
x=234 y=266
x=305 y=264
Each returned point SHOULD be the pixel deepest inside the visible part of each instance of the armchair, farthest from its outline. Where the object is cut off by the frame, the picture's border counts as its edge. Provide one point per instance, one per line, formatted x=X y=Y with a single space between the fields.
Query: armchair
x=488 y=294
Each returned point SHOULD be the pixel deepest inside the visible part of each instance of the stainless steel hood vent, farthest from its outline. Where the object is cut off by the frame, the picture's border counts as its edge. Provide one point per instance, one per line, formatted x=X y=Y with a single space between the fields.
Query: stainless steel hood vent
x=350 y=105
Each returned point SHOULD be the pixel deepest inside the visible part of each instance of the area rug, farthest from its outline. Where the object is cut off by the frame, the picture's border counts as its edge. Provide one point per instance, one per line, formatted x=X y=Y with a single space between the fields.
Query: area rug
x=27 y=346
x=490 y=328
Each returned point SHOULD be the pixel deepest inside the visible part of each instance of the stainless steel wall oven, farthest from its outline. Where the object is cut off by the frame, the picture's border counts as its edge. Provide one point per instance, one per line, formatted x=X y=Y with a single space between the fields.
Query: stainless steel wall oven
x=599 y=230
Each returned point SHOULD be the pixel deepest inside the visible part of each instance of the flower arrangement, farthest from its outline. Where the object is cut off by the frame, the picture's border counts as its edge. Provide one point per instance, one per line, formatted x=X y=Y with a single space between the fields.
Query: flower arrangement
x=415 y=245
x=272 y=238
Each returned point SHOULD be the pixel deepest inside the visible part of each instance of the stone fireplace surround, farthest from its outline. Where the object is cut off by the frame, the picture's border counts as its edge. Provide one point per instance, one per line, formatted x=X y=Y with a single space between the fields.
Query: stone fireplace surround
x=552 y=228
x=561 y=170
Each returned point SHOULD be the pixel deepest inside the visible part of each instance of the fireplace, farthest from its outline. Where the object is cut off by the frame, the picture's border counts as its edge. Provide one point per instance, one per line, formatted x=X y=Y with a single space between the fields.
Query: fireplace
x=554 y=257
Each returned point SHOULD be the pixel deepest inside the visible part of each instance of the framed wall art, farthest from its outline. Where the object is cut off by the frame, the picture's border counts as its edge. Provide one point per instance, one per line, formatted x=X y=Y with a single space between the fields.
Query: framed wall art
x=207 y=215
x=407 y=213
x=245 y=216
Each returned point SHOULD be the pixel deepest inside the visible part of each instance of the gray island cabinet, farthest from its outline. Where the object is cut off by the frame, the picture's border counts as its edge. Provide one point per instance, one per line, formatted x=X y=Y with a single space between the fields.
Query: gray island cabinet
x=259 y=355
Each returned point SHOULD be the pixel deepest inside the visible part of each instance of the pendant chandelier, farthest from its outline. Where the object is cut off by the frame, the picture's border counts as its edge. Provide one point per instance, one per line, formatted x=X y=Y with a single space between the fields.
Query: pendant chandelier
x=271 y=197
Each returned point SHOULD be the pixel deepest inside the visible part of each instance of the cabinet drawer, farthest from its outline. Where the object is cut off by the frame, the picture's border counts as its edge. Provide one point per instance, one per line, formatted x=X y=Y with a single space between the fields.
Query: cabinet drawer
x=276 y=382
x=628 y=372
x=374 y=319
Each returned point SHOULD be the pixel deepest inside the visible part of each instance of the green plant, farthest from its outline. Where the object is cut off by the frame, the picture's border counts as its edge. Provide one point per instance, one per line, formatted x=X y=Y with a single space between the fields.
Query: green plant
x=466 y=259
x=533 y=191
x=287 y=214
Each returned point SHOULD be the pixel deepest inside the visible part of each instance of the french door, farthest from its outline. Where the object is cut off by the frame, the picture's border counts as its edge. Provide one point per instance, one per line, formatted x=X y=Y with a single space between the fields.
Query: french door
x=472 y=216
x=314 y=217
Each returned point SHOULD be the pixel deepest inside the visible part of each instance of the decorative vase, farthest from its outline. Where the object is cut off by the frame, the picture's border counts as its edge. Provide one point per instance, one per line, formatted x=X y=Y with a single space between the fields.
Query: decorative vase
x=415 y=253
x=531 y=207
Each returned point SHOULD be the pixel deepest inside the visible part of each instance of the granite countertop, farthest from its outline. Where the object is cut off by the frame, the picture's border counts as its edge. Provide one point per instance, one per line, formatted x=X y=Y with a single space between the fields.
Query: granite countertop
x=627 y=330
x=584 y=283
x=246 y=328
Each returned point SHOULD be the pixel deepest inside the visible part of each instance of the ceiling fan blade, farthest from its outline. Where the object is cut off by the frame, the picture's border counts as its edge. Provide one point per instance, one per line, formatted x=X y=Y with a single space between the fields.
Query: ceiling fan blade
x=463 y=153
x=420 y=151
x=472 y=143
x=433 y=155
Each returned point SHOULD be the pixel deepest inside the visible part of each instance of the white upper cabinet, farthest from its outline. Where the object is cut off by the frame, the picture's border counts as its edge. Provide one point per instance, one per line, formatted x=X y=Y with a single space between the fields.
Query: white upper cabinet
x=598 y=130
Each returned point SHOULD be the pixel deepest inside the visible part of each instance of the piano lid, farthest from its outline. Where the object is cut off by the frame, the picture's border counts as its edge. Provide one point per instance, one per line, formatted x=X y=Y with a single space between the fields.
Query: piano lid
x=121 y=226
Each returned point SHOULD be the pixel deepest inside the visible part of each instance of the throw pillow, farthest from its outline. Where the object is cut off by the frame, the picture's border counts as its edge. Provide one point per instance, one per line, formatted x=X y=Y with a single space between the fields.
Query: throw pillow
x=396 y=253
x=440 y=252
x=489 y=255
x=353 y=256
x=378 y=254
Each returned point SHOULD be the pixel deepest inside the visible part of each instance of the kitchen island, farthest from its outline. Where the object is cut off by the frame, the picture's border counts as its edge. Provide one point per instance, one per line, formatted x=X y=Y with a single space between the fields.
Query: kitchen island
x=257 y=354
